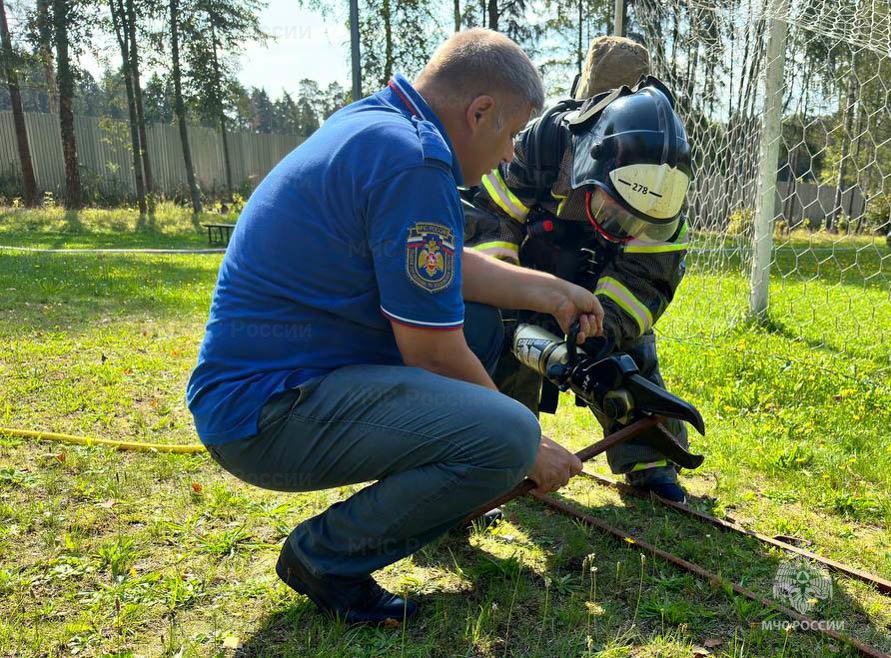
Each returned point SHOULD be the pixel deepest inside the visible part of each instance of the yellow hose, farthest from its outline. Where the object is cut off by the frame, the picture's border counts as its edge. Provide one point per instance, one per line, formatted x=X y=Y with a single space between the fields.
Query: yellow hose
x=119 y=445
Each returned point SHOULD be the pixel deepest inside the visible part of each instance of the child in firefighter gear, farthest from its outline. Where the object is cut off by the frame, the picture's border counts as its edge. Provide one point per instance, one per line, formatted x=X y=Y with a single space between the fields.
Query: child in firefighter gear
x=594 y=195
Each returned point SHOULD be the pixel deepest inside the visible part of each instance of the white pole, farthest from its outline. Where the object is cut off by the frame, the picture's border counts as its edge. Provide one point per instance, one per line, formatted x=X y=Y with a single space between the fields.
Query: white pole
x=619 y=20
x=771 y=133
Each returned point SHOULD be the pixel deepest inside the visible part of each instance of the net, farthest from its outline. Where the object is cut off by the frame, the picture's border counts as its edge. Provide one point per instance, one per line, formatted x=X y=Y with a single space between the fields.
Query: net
x=787 y=106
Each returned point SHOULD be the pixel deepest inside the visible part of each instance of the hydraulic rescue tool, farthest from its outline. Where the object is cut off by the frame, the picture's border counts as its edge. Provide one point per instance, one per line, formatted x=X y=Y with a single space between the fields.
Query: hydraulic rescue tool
x=613 y=387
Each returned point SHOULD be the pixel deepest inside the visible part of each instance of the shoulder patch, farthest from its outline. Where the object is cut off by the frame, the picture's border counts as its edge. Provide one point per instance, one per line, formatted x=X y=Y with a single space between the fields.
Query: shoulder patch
x=433 y=145
x=430 y=256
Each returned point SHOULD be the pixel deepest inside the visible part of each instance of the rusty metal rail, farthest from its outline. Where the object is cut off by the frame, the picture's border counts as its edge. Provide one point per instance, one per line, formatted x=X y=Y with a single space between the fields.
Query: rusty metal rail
x=527 y=487
x=806 y=622
x=879 y=583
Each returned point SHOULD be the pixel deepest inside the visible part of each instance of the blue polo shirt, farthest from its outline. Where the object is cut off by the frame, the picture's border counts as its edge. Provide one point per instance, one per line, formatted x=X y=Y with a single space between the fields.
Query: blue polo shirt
x=359 y=226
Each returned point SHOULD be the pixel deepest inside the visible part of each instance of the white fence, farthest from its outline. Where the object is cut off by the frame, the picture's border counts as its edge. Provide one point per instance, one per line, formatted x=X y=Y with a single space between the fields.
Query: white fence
x=106 y=160
x=716 y=198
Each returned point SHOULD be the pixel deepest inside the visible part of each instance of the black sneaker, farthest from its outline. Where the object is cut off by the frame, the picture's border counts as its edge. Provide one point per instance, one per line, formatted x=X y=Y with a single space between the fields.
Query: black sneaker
x=661 y=480
x=355 y=600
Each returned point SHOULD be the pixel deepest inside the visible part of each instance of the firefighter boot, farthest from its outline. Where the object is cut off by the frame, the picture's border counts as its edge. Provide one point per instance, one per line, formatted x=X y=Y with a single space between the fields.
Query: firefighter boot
x=661 y=479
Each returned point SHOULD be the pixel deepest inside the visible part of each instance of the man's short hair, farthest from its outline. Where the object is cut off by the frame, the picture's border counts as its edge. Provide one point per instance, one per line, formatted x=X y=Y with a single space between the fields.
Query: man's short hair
x=480 y=61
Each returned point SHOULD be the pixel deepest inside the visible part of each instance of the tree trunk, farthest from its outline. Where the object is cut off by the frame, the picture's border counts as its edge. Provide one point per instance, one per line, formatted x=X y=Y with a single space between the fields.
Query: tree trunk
x=226 y=156
x=29 y=185
x=73 y=195
x=580 y=54
x=493 y=14
x=220 y=109
x=844 y=137
x=792 y=189
x=137 y=96
x=180 y=106
x=457 y=15
x=355 y=54
x=119 y=21
x=45 y=54
x=387 y=16
x=744 y=64
x=792 y=193
x=858 y=134
x=675 y=35
x=692 y=58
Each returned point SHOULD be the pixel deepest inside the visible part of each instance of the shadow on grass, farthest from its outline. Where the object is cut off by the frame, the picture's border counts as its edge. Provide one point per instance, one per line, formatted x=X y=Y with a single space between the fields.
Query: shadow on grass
x=777 y=327
x=87 y=286
x=72 y=222
x=842 y=267
x=732 y=558
x=196 y=222
x=300 y=629
x=438 y=629
x=541 y=611
x=165 y=227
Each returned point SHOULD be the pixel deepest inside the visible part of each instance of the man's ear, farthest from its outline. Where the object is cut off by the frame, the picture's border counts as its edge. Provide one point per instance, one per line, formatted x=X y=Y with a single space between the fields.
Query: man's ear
x=481 y=110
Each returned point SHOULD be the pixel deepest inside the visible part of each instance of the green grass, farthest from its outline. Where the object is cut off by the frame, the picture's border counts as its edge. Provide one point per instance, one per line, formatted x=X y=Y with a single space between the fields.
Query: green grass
x=125 y=554
x=169 y=227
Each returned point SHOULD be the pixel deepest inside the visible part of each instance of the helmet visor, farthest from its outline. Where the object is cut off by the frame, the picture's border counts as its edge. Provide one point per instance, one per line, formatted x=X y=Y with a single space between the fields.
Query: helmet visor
x=618 y=222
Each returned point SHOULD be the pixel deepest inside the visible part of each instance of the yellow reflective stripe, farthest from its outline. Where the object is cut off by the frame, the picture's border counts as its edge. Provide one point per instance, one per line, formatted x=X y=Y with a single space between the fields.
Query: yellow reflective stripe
x=641 y=466
x=499 y=249
x=562 y=198
x=496 y=244
x=641 y=247
x=501 y=194
x=610 y=287
x=645 y=247
x=515 y=202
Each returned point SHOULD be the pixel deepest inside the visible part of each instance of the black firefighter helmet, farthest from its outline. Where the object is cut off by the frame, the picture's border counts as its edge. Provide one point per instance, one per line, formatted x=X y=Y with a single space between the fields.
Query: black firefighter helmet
x=631 y=150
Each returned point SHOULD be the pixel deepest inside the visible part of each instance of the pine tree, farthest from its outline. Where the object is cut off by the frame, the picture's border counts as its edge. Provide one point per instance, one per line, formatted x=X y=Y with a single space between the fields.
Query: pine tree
x=395 y=36
x=335 y=97
x=18 y=115
x=64 y=16
x=159 y=99
x=121 y=24
x=286 y=120
x=309 y=106
x=179 y=104
x=215 y=31
x=262 y=112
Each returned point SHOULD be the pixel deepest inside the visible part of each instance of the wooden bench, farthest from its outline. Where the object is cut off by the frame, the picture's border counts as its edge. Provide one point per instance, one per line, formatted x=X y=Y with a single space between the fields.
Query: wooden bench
x=224 y=231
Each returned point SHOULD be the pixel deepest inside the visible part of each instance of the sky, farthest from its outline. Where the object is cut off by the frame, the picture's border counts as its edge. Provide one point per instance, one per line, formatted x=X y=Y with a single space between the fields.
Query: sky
x=305 y=46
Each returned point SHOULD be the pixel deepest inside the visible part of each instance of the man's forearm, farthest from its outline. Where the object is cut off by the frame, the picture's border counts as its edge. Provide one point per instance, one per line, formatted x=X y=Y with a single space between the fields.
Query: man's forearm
x=500 y=284
x=443 y=352
x=463 y=365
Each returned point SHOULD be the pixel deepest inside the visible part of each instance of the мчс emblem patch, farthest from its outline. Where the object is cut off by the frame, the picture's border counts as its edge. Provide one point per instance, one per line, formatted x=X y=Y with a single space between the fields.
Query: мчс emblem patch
x=430 y=256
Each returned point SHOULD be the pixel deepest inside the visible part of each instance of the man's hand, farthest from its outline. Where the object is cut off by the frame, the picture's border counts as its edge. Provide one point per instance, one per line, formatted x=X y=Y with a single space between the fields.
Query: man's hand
x=492 y=282
x=574 y=302
x=554 y=466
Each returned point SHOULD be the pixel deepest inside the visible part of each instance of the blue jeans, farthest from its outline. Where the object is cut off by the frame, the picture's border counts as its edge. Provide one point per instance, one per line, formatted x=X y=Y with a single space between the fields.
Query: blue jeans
x=437 y=447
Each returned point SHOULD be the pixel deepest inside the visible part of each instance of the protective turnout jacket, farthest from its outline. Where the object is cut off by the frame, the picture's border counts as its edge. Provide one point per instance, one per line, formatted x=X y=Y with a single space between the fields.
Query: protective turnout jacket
x=635 y=281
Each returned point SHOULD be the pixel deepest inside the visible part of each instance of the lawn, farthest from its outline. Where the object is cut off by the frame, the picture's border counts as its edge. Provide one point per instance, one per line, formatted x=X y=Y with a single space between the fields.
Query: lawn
x=123 y=554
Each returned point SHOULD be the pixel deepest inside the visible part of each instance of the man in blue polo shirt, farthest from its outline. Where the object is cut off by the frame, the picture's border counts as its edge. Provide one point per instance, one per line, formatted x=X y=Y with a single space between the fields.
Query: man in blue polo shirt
x=334 y=353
